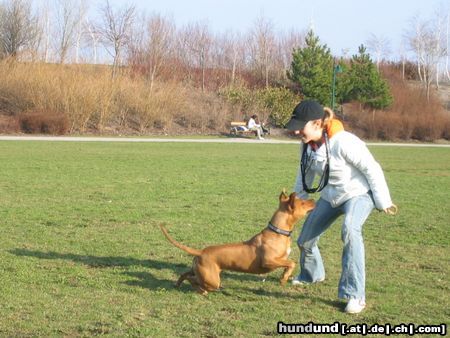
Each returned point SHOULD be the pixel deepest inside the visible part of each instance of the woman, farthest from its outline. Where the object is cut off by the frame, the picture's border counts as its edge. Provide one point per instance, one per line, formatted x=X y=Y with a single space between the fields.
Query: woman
x=351 y=183
x=255 y=126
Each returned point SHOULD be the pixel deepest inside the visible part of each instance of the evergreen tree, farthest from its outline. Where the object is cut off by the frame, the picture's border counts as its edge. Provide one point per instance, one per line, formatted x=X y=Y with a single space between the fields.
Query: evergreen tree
x=312 y=69
x=363 y=82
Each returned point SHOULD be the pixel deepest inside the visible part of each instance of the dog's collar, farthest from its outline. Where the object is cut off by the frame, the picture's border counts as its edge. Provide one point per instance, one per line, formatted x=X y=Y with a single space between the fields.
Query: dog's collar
x=278 y=230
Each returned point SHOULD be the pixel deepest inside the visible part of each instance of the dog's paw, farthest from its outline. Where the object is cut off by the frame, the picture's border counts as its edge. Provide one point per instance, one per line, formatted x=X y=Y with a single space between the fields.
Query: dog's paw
x=202 y=292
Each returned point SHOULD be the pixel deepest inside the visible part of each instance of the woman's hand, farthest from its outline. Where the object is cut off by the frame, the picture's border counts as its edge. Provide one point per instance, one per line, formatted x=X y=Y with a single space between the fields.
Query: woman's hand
x=392 y=210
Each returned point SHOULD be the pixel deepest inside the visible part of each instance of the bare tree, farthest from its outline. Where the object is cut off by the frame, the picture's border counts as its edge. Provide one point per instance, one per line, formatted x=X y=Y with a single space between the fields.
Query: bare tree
x=440 y=25
x=80 y=28
x=93 y=38
x=136 y=43
x=425 y=43
x=286 y=43
x=380 y=46
x=447 y=38
x=65 y=29
x=18 y=27
x=115 y=30
x=229 y=53
x=197 y=41
x=159 y=44
x=403 y=58
x=183 y=54
x=262 y=47
x=416 y=43
x=44 y=30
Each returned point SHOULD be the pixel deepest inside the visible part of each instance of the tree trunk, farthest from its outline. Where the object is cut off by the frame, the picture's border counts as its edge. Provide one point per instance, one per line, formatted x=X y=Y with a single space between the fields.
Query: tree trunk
x=203 y=78
x=428 y=85
x=202 y=62
x=152 y=78
x=419 y=71
x=403 y=69
x=233 y=72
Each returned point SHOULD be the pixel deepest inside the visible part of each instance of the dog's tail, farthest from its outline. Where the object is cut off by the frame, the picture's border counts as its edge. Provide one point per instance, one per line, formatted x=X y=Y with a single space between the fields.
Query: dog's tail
x=189 y=250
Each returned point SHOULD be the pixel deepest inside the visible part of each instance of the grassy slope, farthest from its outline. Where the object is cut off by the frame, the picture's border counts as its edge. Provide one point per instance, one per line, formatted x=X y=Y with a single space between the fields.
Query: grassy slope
x=81 y=253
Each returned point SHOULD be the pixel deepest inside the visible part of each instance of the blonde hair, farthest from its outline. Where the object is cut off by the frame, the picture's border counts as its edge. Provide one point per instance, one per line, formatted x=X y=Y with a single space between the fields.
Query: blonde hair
x=329 y=115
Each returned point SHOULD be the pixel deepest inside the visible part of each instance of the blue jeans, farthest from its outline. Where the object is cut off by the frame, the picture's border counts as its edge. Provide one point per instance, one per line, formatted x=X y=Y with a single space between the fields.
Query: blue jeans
x=355 y=211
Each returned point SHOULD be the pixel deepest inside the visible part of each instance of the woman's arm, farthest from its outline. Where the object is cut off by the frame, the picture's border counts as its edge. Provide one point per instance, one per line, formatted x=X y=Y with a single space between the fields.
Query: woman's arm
x=356 y=153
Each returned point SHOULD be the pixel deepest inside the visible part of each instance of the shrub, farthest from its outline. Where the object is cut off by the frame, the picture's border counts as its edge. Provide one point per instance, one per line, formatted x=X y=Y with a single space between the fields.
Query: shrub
x=243 y=97
x=411 y=115
x=280 y=103
x=9 y=124
x=43 y=123
x=205 y=112
x=58 y=99
x=276 y=103
x=392 y=126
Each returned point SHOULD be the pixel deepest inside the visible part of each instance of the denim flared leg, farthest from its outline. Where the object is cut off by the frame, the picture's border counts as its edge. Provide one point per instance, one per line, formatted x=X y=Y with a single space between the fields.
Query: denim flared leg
x=319 y=220
x=352 y=282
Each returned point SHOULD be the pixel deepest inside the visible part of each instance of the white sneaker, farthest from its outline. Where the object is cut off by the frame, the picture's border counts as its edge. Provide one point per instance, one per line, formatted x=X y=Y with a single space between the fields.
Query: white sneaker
x=355 y=305
x=261 y=138
x=296 y=281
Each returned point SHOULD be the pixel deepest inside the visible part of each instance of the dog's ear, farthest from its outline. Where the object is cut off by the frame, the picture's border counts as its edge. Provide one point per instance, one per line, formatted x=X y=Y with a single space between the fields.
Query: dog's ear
x=292 y=198
x=283 y=196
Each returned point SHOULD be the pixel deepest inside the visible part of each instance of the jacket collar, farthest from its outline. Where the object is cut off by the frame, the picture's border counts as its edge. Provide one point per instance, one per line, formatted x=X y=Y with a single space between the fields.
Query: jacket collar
x=335 y=126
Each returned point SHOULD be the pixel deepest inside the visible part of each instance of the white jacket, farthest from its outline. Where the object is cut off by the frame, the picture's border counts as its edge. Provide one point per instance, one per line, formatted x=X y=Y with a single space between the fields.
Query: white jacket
x=353 y=172
x=252 y=124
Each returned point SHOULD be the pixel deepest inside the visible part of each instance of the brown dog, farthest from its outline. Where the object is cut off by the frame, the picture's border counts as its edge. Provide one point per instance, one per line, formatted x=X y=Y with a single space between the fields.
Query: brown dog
x=263 y=253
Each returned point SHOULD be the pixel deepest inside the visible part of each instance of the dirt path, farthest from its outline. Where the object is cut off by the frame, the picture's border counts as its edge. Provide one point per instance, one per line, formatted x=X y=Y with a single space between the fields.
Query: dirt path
x=193 y=140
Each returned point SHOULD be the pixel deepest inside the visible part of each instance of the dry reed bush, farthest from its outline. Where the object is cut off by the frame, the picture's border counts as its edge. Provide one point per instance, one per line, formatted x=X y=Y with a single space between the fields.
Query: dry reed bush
x=85 y=97
x=149 y=108
x=386 y=125
x=12 y=88
x=411 y=115
x=43 y=123
x=89 y=99
x=205 y=112
x=168 y=99
x=9 y=124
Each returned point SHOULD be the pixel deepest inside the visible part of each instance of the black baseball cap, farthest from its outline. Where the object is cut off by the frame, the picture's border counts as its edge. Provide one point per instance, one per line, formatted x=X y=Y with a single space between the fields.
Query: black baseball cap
x=304 y=112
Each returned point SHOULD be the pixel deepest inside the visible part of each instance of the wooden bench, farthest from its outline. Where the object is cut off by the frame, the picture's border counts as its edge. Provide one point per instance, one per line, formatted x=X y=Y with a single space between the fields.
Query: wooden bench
x=237 y=130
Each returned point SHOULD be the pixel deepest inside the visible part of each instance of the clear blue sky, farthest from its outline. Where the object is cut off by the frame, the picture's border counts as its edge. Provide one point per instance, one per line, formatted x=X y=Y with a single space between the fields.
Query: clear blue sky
x=341 y=24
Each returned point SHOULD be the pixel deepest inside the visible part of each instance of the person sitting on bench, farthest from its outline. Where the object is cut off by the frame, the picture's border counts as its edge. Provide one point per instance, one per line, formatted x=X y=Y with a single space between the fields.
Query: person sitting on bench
x=255 y=126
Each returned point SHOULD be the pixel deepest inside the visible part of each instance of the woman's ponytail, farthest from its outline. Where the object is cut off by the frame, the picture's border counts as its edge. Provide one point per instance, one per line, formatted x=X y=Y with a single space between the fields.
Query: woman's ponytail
x=329 y=115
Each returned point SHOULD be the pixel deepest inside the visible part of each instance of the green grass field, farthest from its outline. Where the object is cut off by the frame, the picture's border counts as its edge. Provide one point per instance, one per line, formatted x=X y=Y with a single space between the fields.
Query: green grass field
x=81 y=253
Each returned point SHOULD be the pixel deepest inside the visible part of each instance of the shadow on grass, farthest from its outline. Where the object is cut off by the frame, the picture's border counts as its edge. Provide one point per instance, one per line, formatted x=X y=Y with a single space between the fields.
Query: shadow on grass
x=288 y=292
x=148 y=280
x=141 y=279
x=99 y=262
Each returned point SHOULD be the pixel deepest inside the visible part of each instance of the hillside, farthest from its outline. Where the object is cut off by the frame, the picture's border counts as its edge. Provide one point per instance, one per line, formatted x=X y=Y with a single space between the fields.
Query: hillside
x=86 y=100
x=444 y=95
